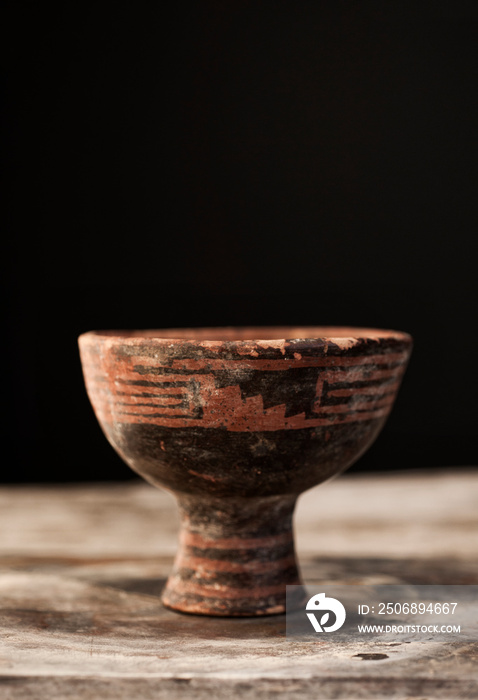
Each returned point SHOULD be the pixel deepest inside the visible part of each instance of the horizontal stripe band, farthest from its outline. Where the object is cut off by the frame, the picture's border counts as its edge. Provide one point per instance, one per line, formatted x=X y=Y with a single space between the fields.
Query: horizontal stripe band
x=202 y=564
x=194 y=539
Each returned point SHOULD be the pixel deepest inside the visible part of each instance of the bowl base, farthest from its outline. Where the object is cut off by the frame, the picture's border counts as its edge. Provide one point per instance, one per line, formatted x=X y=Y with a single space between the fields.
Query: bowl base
x=235 y=557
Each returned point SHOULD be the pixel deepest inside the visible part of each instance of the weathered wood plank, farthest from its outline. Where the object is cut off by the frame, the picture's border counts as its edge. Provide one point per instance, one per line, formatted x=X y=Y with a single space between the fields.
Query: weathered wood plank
x=399 y=514
x=81 y=569
x=360 y=687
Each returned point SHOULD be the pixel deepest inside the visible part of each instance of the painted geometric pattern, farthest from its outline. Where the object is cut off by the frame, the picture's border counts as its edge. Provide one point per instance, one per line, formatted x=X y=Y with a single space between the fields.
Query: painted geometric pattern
x=244 y=394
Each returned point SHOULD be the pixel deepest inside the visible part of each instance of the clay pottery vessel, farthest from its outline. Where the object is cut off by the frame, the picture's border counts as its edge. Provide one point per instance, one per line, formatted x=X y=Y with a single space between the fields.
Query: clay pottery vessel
x=237 y=422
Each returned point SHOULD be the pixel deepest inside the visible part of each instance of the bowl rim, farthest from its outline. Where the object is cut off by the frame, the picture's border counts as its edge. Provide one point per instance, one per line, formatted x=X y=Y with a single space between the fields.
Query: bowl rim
x=343 y=336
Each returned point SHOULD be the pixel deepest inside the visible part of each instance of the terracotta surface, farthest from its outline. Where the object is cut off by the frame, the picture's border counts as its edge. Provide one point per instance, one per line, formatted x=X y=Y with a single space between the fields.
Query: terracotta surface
x=237 y=423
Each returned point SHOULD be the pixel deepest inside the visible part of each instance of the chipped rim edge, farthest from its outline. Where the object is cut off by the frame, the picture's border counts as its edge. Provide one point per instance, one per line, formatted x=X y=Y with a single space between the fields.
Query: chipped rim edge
x=342 y=336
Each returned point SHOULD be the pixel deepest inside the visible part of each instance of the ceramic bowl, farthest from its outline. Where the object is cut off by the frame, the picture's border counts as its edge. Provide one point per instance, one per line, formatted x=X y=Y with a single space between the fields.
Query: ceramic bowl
x=237 y=422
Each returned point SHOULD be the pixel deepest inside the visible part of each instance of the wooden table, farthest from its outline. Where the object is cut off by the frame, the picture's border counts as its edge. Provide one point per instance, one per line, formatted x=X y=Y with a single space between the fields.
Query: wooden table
x=82 y=567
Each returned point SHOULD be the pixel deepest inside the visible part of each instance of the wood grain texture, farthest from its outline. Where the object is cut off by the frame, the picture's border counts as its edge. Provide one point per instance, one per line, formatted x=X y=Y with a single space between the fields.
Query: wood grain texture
x=82 y=567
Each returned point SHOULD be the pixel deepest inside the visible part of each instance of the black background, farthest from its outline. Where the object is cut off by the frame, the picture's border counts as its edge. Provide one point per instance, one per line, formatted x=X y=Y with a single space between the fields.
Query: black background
x=227 y=163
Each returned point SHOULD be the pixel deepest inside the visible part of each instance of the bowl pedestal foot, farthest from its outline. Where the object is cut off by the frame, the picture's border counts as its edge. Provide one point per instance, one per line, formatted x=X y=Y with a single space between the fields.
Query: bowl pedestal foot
x=235 y=557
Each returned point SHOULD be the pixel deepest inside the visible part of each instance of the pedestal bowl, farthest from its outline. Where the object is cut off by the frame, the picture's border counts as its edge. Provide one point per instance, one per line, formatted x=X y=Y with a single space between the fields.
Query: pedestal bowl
x=237 y=422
